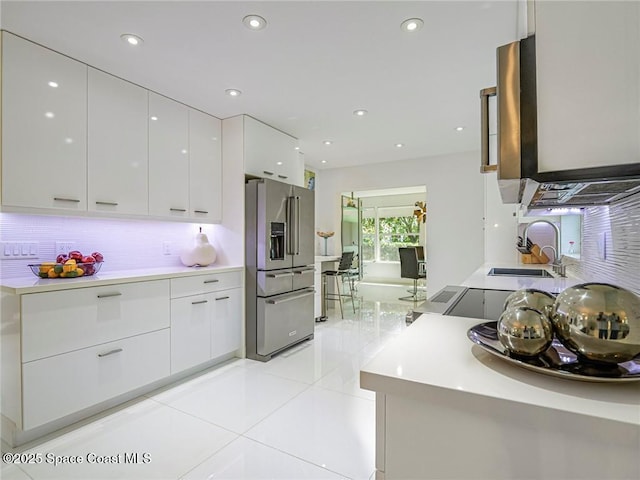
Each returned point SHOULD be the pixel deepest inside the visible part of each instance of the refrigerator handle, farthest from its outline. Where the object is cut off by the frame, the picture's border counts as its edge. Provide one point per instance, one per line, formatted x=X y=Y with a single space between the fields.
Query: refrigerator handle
x=297 y=244
x=293 y=212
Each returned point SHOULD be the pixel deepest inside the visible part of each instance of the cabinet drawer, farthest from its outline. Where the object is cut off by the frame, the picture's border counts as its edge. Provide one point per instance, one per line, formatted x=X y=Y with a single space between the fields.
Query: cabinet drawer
x=58 y=386
x=198 y=284
x=58 y=322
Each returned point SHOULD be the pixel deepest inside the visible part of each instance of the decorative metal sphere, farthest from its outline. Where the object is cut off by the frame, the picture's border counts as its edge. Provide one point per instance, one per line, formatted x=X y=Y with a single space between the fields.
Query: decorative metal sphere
x=524 y=331
x=598 y=322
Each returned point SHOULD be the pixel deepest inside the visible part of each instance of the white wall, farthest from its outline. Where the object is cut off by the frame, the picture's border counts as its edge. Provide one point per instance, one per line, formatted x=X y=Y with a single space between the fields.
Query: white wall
x=501 y=225
x=455 y=207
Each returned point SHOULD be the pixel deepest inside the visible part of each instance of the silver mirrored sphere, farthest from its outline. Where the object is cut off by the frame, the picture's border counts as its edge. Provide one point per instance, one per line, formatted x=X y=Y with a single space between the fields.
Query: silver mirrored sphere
x=598 y=322
x=532 y=298
x=524 y=331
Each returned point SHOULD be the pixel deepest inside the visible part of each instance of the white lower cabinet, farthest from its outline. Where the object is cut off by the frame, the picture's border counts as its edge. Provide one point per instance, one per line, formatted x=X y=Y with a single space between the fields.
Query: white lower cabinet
x=226 y=322
x=63 y=384
x=58 y=322
x=190 y=331
x=67 y=353
x=205 y=327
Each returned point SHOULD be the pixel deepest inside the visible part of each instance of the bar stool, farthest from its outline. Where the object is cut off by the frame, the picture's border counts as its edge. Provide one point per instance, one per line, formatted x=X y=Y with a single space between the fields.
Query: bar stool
x=343 y=270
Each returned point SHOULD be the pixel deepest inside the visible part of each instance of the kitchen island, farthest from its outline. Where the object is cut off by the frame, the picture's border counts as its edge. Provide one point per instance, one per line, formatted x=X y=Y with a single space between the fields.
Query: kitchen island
x=445 y=408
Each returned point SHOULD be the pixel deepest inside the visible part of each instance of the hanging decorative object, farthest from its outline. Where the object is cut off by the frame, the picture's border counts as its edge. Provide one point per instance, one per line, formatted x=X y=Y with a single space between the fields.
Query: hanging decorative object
x=201 y=254
x=421 y=211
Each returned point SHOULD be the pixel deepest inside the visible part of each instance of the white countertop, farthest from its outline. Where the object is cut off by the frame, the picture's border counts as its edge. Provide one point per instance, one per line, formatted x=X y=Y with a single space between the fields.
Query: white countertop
x=32 y=284
x=434 y=352
x=479 y=279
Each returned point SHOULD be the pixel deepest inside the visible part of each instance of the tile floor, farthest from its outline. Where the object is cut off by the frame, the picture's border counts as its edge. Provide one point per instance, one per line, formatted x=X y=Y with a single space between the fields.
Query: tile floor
x=300 y=416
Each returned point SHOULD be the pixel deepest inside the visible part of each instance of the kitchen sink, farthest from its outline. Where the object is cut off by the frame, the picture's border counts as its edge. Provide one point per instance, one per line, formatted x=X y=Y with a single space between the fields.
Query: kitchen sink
x=519 y=272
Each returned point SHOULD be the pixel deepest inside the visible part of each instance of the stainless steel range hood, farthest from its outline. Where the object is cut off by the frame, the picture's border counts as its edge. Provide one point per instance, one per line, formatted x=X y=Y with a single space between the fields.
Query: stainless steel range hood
x=517 y=145
x=578 y=194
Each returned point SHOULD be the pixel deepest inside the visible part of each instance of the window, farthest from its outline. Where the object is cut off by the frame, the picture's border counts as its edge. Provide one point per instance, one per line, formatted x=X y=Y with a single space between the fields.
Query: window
x=385 y=229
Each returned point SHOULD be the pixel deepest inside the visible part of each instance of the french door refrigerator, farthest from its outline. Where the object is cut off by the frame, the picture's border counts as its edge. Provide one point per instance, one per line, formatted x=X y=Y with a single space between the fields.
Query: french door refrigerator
x=279 y=260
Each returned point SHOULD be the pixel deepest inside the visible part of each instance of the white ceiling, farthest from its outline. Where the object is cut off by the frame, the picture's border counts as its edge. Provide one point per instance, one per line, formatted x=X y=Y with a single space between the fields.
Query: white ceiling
x=305 y=73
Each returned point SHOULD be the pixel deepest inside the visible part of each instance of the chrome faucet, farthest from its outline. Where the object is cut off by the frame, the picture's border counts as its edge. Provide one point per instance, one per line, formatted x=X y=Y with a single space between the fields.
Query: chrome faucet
x=555 y=253
x=556 y=265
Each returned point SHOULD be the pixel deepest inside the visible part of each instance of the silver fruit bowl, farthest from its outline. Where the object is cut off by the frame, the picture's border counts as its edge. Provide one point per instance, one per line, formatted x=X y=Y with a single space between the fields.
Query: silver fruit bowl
x=524 y=331
x=532 y=298
x=598 y=322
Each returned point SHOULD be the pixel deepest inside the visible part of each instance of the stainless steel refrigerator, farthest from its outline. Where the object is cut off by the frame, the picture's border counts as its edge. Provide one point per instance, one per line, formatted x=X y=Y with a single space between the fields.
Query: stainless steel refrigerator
x=279 y=266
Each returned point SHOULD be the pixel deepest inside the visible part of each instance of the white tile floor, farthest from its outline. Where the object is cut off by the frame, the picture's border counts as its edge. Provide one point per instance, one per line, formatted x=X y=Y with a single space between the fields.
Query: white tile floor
x=300 y=416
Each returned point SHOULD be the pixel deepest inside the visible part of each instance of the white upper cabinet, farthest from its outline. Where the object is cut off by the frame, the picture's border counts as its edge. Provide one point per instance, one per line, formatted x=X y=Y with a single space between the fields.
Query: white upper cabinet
x=44 y=127
x=168 y=157
x=588 y=83
x=270 y=153
x=117 y=145
x=205 y=167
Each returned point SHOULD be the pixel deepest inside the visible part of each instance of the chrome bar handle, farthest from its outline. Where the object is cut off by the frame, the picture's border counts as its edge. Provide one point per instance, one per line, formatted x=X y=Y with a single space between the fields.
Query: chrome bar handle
x=291 y=224
x=213 y=280
x=62 y=199
x=266 y=172
x=288 y=299
x=108 y=295
x=222 y=298
x=110 y=352
x=280 y=275
x=485 y=93
x=177 y=210
x=199 y=302
x=112 y=204
x=302 y=271
x=296 y=245
x=284 y=177
x=201 y=211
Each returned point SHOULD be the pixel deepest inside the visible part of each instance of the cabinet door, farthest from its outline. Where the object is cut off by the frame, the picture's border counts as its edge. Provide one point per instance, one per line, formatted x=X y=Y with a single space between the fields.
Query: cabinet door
x=117 y=145
x=168 y=157
x=588 y=84
x=205 y=167
x=64 y=384
x=270 y=153
x=190 y=331
x=58 y=322
x=44 y=127
x=226 y=326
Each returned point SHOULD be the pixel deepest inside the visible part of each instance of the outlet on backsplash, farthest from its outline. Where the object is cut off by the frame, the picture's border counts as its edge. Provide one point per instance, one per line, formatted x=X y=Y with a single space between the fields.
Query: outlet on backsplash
x=166 y=248
x=64 y=246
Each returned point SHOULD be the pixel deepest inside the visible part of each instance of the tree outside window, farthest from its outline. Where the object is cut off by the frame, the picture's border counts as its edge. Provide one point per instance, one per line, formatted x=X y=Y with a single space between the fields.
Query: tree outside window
x=384 y=230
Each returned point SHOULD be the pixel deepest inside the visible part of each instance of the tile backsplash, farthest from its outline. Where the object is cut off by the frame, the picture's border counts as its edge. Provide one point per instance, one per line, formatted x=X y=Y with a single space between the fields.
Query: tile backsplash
x=611 y=244
x=125 y=244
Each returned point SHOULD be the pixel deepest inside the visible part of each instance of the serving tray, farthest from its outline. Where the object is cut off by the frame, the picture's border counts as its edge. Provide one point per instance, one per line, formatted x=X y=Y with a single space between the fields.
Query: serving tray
x=556 y=360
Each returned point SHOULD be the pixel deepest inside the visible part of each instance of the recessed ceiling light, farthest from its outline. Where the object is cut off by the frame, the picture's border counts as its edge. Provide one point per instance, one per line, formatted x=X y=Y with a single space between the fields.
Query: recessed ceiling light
x=459 y=129
x=278 y=163
x=399 y=145
x=412 y=24
x=323 y=161
x=233 y=92
x=154 y=118
x=360 y=113
x=184 y=151
x=53 y=84
x=254 y=22
x=131 y=39
x=327 y=142
x=296 y=148
x=49 y=114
